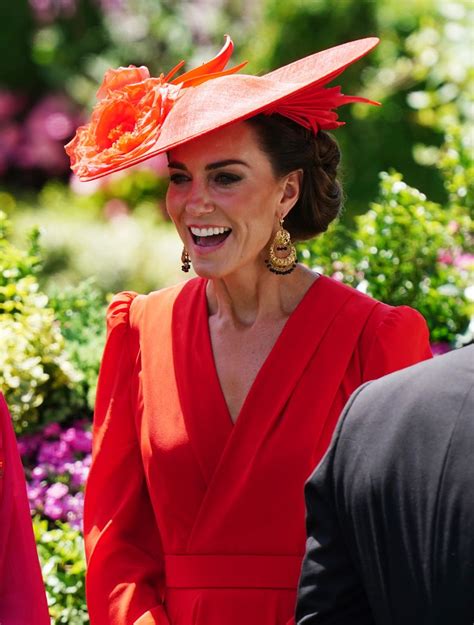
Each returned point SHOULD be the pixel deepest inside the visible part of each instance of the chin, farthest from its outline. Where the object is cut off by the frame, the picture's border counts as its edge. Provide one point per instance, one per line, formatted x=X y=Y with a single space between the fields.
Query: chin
x=210 y=272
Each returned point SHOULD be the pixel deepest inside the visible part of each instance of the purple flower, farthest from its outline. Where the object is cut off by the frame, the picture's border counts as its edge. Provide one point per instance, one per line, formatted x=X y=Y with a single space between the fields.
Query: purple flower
x=57 y=454
x=52 y=430
x=45 y=130
x=10 y=137
x=439 y=348
x=78 y=440
x=54 y=509
x=23 y=447
x=47 y=11
x=29 y=444
x=53 y=452
x=74 y=505
x=58 y=490
x=36 y=494
x=39 y=472
x=10 y=104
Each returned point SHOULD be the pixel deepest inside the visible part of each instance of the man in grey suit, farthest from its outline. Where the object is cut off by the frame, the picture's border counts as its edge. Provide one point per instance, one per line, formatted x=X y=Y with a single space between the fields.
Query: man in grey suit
x=390 y=508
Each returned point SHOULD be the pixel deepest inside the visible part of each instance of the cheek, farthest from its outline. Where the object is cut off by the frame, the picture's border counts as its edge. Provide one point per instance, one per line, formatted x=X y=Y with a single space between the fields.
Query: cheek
x=172 y=204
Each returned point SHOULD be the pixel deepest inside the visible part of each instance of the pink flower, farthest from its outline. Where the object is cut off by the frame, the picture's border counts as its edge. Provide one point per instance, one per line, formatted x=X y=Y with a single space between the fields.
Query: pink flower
x=453 y=226
x=464 y=261
x=445 y=257
x=10 y=104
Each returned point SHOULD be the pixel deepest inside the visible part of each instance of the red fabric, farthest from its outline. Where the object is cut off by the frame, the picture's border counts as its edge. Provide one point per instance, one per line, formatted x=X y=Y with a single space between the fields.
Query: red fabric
x=22 y=595
x=172 y=476
x=239 y=571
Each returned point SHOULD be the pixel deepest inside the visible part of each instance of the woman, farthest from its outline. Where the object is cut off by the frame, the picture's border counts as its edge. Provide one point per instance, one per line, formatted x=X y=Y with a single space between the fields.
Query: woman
x=217 y=398
x=22 y=596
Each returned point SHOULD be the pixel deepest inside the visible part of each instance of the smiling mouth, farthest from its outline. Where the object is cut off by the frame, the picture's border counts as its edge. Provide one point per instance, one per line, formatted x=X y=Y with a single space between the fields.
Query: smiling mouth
x=205 y=239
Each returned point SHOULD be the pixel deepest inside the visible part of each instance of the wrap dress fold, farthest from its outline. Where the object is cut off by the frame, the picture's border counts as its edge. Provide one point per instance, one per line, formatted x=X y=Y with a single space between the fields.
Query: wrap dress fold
x=191 y=519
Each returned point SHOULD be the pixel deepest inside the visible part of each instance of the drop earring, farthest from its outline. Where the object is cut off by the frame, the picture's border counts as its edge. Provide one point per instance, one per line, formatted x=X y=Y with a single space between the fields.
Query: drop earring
x=185 y=261
x=282 y=253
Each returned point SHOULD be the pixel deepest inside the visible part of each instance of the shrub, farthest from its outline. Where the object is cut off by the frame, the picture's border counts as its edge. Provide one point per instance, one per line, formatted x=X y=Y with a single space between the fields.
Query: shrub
x=135 y=250
x=61 y=553
x=33 y=365
x=80 y=311
x=405 y=250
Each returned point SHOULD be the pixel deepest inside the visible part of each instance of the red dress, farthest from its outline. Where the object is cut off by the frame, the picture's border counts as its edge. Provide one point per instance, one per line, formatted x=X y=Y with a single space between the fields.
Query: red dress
x=22 y=595
x=190 y=519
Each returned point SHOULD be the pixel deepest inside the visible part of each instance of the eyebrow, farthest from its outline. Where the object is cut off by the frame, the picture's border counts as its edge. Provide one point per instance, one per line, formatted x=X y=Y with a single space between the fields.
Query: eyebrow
x=216 y=165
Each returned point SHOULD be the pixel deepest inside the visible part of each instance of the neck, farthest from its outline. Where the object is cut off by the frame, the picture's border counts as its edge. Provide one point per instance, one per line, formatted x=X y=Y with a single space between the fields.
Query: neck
x=253 y=295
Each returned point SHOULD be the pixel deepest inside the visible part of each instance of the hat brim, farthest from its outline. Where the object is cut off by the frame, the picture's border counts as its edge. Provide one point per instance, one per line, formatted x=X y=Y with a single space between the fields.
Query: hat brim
x=230 y=99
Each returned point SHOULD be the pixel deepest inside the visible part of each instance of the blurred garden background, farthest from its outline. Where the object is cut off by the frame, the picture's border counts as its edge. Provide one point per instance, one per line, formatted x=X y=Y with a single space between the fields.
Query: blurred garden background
x=405 y=237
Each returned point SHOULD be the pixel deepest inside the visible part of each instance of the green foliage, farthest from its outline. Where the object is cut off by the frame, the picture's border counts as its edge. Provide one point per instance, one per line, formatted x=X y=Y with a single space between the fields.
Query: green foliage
x=61 y=553
x=33 y=366
x=80 y=313
x=456 y=163
x=421 y=72
x=295 y=28
x=404 y=250
x=137 y=189
x=104 y=234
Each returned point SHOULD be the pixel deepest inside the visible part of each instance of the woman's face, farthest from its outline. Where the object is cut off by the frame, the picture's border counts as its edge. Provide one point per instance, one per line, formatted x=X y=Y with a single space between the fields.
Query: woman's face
x=225 y=200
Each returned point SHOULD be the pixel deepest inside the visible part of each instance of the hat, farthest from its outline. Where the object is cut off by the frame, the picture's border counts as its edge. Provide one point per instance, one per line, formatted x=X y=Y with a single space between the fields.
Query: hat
x=138 y=116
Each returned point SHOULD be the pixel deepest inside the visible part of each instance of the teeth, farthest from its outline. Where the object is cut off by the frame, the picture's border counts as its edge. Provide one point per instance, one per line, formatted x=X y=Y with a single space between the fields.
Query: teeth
x=207 y=232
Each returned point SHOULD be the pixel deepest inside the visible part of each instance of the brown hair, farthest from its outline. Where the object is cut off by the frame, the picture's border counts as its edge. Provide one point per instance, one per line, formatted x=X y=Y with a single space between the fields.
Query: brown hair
x=289 y=147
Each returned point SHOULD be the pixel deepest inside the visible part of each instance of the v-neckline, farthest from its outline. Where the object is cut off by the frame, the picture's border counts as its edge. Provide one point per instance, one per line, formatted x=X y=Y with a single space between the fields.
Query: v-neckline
x=267 y=363
x=213 y=436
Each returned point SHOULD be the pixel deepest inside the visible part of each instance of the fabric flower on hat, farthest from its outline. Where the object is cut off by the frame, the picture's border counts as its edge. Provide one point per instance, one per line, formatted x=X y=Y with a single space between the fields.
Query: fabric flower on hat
x=132 y=106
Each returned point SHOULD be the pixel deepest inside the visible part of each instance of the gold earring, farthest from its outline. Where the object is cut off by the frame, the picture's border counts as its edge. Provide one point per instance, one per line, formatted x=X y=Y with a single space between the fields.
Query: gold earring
x=282 y=253
x=185 y=260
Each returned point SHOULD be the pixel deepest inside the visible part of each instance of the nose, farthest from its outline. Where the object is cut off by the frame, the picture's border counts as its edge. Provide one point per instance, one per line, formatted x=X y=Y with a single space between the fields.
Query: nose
x=198 y=202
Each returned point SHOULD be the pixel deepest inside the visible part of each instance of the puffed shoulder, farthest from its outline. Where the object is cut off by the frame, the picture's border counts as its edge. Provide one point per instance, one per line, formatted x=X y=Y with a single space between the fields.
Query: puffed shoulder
x=405 y=321
x=118 y=311
x=396 y=316
x=397 y=337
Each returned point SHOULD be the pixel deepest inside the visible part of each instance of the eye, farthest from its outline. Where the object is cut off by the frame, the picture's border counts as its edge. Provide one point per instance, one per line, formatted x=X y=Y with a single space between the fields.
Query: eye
x=178 y=178
x=225 y=179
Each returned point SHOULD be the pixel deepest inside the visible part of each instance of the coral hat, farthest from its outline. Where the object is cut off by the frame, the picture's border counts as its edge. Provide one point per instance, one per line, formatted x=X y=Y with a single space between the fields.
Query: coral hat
x=138 y=116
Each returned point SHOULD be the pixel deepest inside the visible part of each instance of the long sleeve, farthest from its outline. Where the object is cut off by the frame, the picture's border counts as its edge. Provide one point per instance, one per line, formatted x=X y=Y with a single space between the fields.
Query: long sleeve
x=330 y=589
x=22 y=595
x=125 y=575
x=396 y=337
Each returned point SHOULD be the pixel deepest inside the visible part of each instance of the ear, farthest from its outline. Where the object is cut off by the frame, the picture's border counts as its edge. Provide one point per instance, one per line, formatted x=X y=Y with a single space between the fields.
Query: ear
x=291 y=189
